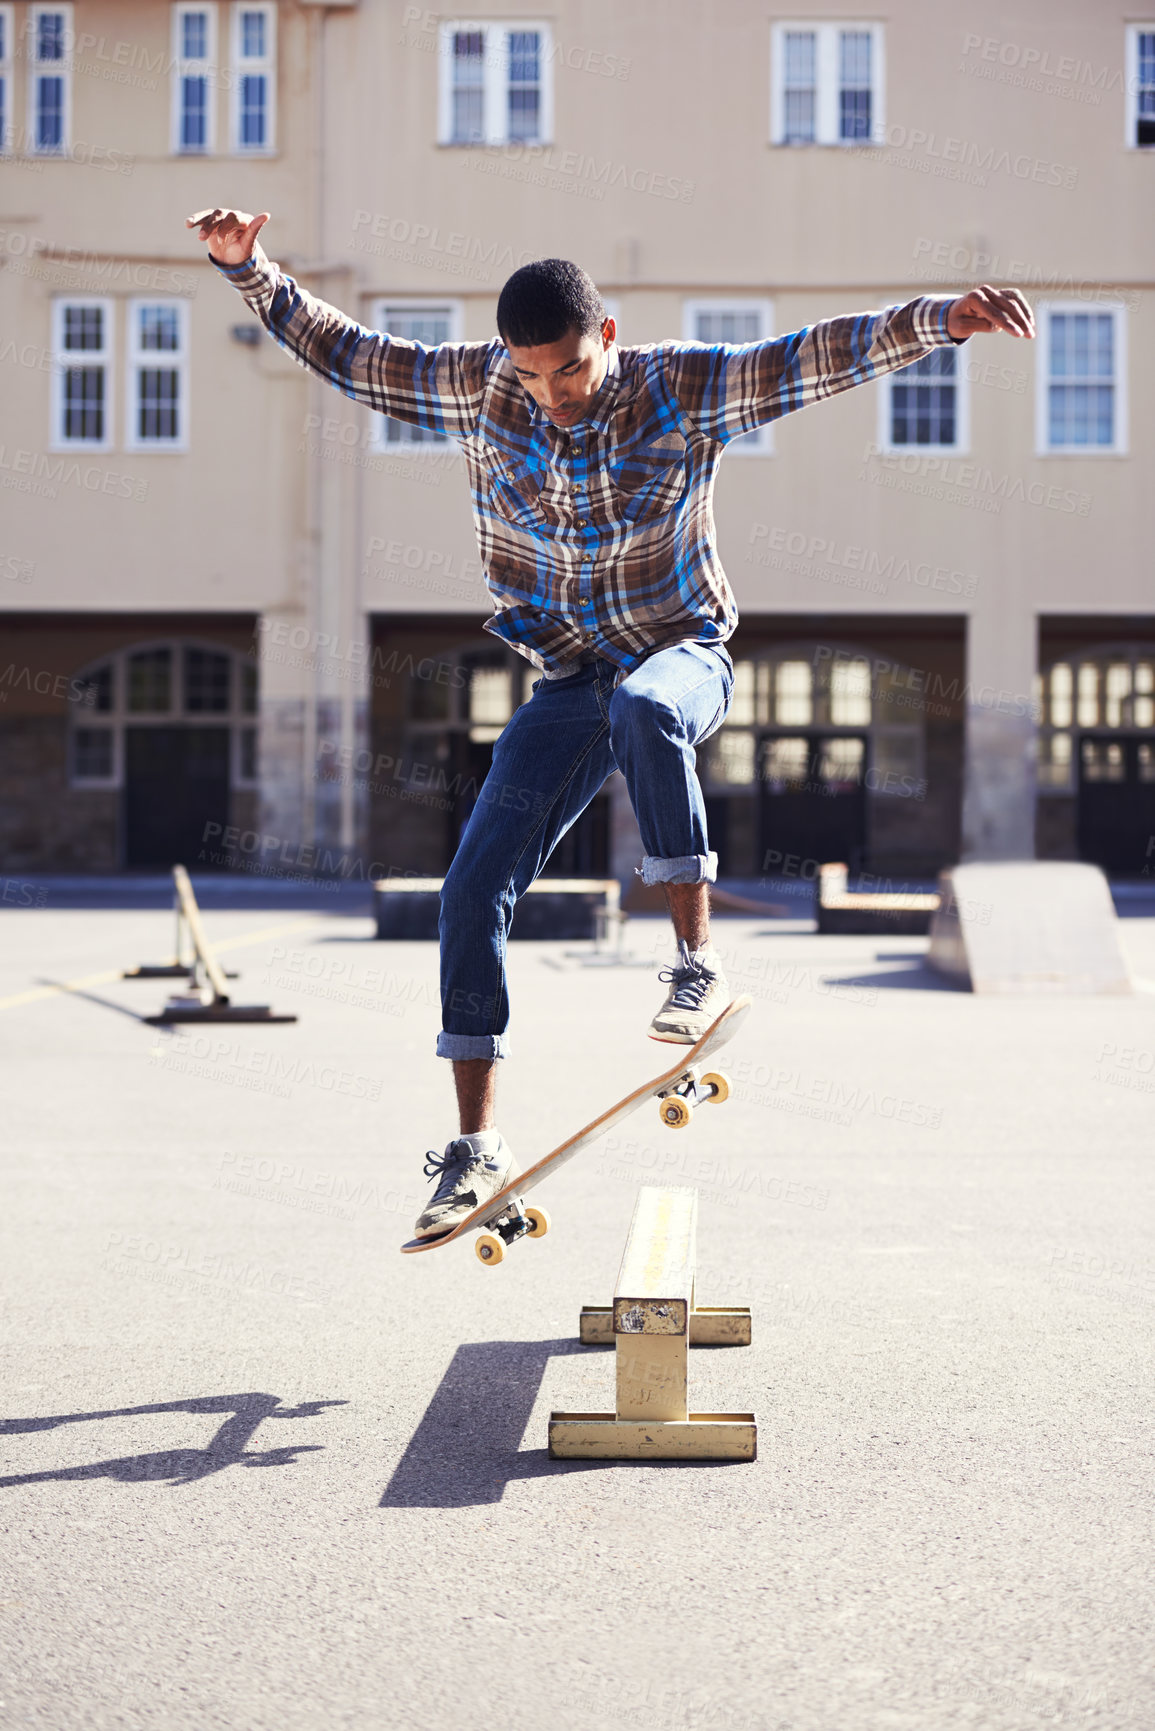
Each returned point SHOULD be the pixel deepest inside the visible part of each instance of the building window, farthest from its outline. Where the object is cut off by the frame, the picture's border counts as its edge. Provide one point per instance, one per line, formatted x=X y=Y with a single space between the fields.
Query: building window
x=495 y=84
x=732 y=760
x=1081 y=394
x=149 y=682
x=855 y=85
x=251 y=79
x=850 y=696
x=6 y=26
x=194 y=49
x=425 y=322
x=786 y=720
x=99 y=691
x=82 y=344
x=794 y=697
x=248 y=671
x=50 y=36
x=467 y=86
x=800 y=90
x=524 y=85
x=925 y=405
x=93 y=756
x=207 y=682
x=490 y=702
x=1141 y=86
x=171 y=685
x=157 y=375
x=826 y=83
x=785 y=763
x=254 y=79
x=734 y=322
x=1104 y=691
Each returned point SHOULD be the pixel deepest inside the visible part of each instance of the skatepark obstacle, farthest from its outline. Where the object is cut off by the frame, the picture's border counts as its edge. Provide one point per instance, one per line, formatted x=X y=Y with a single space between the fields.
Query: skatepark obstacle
x=897 y=913
x=406 y=909
x=206 y=1001
x=178 y=968
x=1028 y=928
x=653 y=1322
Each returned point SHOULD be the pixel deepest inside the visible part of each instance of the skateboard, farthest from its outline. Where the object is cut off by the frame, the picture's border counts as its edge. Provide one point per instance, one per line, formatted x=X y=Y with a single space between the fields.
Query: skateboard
x=678 y=1090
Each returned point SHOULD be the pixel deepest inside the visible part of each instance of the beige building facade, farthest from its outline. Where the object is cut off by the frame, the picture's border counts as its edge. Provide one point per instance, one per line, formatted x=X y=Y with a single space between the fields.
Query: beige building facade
x=241 y=617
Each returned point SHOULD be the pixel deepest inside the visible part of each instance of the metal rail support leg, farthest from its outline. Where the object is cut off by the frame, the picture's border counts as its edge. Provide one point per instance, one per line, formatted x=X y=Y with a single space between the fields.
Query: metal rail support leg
x=652 y=1323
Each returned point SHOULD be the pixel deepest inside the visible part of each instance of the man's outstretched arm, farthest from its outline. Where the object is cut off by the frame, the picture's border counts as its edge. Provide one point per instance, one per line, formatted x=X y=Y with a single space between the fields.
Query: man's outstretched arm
x=439 y=388
x=729 y=390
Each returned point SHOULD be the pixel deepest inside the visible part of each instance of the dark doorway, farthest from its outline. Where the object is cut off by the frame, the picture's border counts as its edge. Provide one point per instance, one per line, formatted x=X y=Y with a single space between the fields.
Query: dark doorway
x=812 y=791
x=1116 y=825
x=176 y=783
x=584 y=850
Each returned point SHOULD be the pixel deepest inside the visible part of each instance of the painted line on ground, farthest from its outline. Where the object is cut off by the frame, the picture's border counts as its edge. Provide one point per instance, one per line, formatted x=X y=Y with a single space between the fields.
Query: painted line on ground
x=38 y=992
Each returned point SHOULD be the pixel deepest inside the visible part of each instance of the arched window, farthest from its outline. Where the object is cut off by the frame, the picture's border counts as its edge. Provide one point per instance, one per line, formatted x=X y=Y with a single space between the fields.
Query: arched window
x=838 y=692
x=1081 y=702
x=168 y=683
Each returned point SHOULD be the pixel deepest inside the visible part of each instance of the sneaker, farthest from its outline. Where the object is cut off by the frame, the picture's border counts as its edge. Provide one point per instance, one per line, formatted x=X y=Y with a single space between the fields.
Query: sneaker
x=698 y=995
x=468 y=1174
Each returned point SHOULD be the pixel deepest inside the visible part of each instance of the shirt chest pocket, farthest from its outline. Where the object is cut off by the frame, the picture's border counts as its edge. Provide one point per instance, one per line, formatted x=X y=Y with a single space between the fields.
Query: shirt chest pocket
x=649 y=478
x=515 y=490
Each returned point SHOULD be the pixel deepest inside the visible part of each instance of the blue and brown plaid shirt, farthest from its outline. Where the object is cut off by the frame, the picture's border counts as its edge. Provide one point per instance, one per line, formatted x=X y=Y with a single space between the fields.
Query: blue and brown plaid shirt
x=596 y=538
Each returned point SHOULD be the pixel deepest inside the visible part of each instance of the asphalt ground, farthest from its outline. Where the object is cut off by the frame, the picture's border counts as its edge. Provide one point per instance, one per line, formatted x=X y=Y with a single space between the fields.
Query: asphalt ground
x=260 y=1471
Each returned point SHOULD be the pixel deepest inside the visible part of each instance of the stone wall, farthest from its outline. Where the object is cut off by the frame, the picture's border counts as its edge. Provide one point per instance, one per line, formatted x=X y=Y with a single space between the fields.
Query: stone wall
x=45 y=825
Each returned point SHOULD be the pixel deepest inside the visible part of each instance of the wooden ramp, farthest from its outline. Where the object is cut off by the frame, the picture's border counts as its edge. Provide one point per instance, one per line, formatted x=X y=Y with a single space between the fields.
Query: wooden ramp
x=206 y=998
x=1028 y=928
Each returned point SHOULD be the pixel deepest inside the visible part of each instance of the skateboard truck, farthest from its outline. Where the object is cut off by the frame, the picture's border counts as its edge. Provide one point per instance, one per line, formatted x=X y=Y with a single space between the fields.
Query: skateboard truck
x=676 y=1103
x=515 y=1221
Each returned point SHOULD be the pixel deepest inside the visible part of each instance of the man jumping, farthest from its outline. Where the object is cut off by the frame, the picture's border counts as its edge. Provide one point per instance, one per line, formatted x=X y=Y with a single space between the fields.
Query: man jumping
x=592 y=472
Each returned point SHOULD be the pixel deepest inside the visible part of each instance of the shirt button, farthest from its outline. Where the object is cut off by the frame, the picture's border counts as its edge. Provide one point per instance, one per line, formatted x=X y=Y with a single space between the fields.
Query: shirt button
x=583 y=525
x=587 y=558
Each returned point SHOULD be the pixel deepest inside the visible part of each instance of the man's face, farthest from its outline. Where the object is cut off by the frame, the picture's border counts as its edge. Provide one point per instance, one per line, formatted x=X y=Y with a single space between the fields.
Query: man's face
x=563 y=378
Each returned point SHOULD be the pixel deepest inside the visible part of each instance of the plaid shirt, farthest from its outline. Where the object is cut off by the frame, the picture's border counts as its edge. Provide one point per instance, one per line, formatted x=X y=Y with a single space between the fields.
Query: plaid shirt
x=596 y=538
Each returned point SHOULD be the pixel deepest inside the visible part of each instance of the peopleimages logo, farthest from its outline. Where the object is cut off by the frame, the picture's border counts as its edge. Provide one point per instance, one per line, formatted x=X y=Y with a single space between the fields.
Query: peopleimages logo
x=862 y=567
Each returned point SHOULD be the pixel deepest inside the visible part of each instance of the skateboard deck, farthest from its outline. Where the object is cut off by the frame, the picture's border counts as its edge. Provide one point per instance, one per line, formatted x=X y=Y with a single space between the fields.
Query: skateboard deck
x=678 y=1090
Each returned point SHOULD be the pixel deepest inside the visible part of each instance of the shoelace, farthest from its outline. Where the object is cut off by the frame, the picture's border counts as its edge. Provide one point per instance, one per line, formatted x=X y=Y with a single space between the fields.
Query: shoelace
x=452 y=1167
x=690 y=980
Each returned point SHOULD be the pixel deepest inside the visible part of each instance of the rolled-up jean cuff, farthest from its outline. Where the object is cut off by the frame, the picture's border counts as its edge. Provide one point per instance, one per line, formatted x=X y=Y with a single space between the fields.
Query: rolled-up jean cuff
x=691 y=868
x=459 y=1046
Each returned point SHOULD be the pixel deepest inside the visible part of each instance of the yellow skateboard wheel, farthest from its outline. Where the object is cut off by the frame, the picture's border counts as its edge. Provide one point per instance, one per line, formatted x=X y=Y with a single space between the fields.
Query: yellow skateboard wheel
x=720 y=1084
x=675 y=1112
x=538 y=1222
x=489 y=1248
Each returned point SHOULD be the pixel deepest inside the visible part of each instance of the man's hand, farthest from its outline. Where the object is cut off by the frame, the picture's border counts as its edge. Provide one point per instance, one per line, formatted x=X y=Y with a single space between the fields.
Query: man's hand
x=229 y=234
x=986 y=310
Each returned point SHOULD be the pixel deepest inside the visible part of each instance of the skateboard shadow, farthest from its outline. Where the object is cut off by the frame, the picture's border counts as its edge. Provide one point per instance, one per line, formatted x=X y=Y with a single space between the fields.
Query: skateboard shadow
x=467 y=1447
x=228 y=1447
x=916 y=976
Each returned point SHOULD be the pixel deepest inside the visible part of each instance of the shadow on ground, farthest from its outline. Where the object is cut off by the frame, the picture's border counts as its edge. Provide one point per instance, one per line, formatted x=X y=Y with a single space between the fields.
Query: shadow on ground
x=467 y=1447
x=915 y=976
x=178 y=1466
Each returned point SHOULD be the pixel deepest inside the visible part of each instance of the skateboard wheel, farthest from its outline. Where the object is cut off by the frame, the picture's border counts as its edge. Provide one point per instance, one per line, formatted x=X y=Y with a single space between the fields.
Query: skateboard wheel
x=720 y=1084
x=490 y=1249
x=538 y=1222
x=675 y=1112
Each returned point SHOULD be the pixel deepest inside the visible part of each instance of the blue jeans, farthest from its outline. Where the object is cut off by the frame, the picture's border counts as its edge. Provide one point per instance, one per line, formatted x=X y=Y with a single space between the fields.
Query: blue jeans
x=550 y=761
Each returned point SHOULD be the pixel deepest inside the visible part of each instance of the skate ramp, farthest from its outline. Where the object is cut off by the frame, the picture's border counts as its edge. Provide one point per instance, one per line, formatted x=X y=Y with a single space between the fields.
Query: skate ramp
x=1028 y=928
